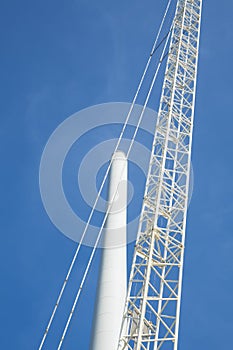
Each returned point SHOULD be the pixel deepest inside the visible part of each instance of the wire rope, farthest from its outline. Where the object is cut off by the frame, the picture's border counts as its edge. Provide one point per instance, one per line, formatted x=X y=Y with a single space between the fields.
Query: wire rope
x=154 y=48
x=115 y=193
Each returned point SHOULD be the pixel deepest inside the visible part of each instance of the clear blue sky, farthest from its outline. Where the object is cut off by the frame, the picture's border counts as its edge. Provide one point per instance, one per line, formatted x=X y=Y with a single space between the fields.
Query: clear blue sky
x=58 y=57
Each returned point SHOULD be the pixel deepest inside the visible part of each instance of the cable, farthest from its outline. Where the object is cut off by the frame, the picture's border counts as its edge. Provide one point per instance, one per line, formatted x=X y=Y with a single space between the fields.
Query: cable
x=109 y=207
x=104 y=180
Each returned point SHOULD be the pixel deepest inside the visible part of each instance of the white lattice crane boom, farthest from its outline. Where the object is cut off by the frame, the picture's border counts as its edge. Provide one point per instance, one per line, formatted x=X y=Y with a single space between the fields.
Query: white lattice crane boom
x=151 y=316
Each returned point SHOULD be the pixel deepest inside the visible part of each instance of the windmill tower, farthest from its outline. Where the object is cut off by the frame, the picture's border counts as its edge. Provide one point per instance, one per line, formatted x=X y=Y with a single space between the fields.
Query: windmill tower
x=152 y=312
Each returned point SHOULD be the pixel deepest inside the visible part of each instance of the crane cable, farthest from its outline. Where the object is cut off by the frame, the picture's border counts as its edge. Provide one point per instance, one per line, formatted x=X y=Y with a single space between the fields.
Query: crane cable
x=154 y=48
x=115 y=193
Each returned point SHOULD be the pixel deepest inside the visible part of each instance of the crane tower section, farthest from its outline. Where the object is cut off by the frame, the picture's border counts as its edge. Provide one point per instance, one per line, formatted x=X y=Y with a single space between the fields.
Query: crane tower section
x=152 y=311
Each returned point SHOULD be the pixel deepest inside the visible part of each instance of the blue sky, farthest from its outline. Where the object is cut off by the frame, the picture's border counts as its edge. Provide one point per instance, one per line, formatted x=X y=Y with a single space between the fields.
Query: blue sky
x=56 y=58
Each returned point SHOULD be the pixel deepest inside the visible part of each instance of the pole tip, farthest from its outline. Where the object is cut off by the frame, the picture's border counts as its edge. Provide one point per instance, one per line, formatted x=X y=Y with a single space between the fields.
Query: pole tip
x=119 y=155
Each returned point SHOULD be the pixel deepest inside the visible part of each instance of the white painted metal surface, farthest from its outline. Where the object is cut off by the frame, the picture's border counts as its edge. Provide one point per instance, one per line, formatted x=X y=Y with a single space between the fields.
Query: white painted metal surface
x=112 y=283
x=152 y=311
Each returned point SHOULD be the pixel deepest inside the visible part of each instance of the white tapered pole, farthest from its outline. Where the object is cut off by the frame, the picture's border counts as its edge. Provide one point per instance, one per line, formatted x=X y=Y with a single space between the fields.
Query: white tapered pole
x=112 y=282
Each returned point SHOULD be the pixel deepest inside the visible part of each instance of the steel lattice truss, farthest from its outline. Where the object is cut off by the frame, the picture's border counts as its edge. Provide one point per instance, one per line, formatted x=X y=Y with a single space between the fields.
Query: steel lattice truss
x=151 y=317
